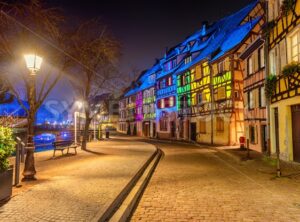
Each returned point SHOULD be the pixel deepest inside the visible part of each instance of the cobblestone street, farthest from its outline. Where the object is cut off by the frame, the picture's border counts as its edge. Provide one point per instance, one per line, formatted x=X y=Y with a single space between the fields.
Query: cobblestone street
x=77 y=188
x=201 y=184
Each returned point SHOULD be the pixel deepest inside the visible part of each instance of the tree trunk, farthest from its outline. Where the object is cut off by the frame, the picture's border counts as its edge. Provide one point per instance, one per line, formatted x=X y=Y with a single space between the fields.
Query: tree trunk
x=86 y=133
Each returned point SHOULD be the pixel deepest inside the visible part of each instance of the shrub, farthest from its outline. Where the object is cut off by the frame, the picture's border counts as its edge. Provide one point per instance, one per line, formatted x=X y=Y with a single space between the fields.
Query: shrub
x=290 y=69
x=7 y=145
x=270 y=87
x=287 y=6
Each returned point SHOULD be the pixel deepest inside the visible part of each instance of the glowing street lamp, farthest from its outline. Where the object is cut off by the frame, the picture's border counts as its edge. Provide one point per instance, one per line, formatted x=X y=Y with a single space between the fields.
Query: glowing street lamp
x=33 y=63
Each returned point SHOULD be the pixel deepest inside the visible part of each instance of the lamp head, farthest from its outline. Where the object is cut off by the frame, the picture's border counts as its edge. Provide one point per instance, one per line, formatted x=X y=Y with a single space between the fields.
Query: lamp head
x=33 y=62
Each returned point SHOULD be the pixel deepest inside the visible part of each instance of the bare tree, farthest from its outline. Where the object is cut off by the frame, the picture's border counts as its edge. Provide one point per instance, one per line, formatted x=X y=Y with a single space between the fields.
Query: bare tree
x=30 y=27
x=97 y=52
x=5 y=97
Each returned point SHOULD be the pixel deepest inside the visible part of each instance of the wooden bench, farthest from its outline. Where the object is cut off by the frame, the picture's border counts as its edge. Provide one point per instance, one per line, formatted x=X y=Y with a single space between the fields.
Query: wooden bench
x=62 y=145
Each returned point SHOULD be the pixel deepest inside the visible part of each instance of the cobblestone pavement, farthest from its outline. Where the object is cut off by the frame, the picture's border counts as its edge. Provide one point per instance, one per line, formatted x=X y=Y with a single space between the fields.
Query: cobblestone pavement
x=200 y=184
x=76 y=188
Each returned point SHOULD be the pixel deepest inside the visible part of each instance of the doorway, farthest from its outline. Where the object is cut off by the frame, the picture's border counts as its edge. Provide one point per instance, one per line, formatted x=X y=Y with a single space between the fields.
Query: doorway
x=193 y=131
x=264 y=142
x=296 y=132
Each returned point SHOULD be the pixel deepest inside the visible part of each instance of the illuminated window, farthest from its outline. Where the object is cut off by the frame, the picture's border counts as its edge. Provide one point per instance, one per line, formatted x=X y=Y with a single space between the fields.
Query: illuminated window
x=220 y=124
x=262 y=97
x=273 y=64
x=250 y=100
x=202 y=126
x=162 y=103
x=294 y=47
x=199 y=98
x=171 y=101
x=250 y=66
x=261 y=58
x=169 y=80
x=187 y=60
x=221 y=67
x=205 y=69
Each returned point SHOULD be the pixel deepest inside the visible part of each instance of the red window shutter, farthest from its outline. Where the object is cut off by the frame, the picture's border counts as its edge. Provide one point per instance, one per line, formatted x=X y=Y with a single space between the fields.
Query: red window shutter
x=159 y=104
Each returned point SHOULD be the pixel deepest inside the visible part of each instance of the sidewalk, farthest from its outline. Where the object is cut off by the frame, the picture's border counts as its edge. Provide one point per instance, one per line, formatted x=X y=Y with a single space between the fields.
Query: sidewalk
x=77 y=188
x=261 y=162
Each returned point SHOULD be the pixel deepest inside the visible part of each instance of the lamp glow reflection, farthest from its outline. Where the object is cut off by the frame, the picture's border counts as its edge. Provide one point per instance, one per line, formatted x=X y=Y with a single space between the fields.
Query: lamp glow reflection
x=33 y=62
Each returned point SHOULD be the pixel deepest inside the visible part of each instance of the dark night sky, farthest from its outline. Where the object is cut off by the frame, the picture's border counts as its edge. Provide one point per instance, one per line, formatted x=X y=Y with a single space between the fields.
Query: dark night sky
x=146 y=28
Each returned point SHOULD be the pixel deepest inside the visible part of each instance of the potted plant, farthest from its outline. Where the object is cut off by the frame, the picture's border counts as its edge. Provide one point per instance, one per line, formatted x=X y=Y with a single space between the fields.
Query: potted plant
x=7 y=145
x=291 y=69
x=287 y=6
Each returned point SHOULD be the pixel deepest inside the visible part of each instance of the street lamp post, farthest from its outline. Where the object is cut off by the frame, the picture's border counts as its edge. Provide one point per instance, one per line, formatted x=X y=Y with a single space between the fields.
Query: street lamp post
x=33 y=63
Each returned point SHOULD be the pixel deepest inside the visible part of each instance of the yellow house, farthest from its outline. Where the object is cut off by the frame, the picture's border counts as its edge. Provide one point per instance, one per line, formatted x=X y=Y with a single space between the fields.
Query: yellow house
x=284 y=48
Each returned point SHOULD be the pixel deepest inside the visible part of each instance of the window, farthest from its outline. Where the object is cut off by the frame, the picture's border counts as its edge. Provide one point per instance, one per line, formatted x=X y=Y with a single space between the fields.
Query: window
x=168 y=66
x=237 y=95
x=171 y=101
x=220 y=124
x=169 y=81
x=183 y=102
x=162 y=84
x=188 y=60
x=202 y=126
x=221 y=93
x=250 y=66
x=294 y=47
x=273 y=62
x=262 y=97
x=162 y=103
x=200 y=98
x=205 y=69
x=261 y=58
x=221 y=67
x=139 y=110
x=250 y=100
x=183 y=80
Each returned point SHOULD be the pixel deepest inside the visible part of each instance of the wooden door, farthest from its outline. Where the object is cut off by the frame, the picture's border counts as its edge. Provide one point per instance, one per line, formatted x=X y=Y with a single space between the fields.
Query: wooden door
x=296 y=132
x=193 y=131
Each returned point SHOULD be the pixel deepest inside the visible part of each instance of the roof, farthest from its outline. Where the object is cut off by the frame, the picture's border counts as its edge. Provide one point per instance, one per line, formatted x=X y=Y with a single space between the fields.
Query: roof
x=210 y=42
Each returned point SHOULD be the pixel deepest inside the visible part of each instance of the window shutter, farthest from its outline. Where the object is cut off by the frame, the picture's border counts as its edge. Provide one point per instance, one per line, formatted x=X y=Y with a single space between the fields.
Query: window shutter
x=227 y=64
x=215 y=69
x=198 y=72
x=255 y=62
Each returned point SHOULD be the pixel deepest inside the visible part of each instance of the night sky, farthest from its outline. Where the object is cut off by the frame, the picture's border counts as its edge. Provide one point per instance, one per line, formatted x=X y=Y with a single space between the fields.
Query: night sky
x=146 y=28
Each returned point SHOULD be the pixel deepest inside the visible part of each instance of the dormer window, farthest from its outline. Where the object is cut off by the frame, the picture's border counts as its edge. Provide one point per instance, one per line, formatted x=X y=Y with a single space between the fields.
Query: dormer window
x=188 y=60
